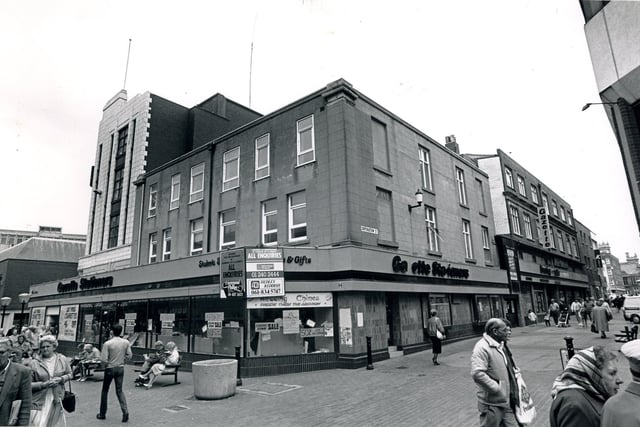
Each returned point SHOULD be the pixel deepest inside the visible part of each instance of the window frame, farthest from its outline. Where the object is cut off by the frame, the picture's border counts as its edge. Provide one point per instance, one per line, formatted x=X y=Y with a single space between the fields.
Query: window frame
x=514 y=219
x=486 y=244
x=462 y=191
x=153 y=200
x=230 y=182
x=522 y=186
x=386 y=167
x=174 y=202
x=194 y=233
x=291 y=225
x=467 y=238
x=534 y=194
x=265 y=215
x=431 y=222
x=554 y=208
x=508 y=177
x=563 y=214
x=259 y=145
x=153 y=247
x=483 y=199
x=197 y=195
x=299 y=131
x=166 y=241
x=528 y=231
x=223 y=224
x=424 y=158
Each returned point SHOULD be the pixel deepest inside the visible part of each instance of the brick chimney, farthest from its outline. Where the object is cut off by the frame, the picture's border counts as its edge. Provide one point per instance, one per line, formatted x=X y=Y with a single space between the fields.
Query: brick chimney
x=451 y=144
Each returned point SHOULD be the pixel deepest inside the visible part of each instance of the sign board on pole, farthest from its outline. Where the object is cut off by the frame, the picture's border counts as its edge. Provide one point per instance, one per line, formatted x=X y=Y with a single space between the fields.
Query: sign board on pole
x=68 y=322
x=232 y=273
x=265 y=273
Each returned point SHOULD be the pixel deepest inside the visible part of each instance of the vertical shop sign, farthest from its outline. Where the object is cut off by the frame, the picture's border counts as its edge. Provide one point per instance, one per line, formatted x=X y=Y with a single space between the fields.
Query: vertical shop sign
x=511 y=256
x=543 y=217
x=68 y=322
x=37 y=316
x=214 y=324
x=232 y=273
x=265 y=273
x=291 y=321
x=346 y=328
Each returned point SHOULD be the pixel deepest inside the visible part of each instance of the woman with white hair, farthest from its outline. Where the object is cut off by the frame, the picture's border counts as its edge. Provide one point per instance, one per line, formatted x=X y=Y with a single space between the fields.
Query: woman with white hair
x=173 y=357
x=49 y=371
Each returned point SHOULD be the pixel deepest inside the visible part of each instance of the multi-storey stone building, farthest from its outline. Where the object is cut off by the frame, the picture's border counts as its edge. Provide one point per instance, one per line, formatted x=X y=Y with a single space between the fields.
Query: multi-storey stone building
x=611 y=270
x=297 y=236
x=631 y=274
x=587 y=249
x=9 y=238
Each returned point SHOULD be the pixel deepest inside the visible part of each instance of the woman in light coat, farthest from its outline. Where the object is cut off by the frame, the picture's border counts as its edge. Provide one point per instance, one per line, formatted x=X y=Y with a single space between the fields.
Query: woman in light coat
x=434 y=325
x=600 y=319
x=49 y=371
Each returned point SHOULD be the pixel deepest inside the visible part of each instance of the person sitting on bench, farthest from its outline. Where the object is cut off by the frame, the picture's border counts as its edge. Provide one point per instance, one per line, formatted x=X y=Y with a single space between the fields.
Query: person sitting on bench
x=172 y=358
x=158 y=356
x=91 y=357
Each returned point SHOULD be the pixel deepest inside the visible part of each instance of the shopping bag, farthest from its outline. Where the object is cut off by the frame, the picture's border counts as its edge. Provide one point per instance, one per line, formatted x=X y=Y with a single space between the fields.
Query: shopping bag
x=525 y=411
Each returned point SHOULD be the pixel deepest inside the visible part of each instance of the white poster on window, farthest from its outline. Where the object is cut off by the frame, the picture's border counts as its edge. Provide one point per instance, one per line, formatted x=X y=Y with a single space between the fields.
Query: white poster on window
x=37 y=316
x=68 y=322
x=291 y=321
x=346 y=327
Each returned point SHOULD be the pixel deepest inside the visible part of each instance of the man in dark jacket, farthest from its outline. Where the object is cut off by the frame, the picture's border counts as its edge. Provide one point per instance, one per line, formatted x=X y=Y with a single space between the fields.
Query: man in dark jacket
x=15 y=381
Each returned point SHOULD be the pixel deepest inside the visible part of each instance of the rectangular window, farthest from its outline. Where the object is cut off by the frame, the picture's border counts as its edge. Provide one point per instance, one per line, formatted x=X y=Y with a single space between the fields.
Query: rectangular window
x=231 y=169
x=425 y=169
x=528 y=232
x=153 y=200
x=568 y=244
x=466 y=235
x=569 y=218
x=432 y=229
x=563 y=214
x=560 y=241
x=175 y=192
x=574 y=247
x=545 y=201
x=380 y=145
x=114 y=224
x=539 y=229
x=270 y=223
x=552 y=238
x=534 y=194
x=483 y=202
x=228 y=229
x=486 y=245
x=521 y=187
x=508 y=177
x=117 y=185
x=166 y=244
x=385 y=214
x=462 y=191
x=515 y=220
x=123 y=134
x=554 y=207
x=153 y=247
x=262 y=157
x=305 y=141
x=297 y=216
x=440 y=303
x=196 y=187
x=197 y=235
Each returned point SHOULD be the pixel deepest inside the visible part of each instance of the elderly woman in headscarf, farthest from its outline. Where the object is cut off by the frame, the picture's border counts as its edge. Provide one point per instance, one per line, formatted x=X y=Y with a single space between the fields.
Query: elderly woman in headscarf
x=600 y=315
x=172 y=358
x=579 y=393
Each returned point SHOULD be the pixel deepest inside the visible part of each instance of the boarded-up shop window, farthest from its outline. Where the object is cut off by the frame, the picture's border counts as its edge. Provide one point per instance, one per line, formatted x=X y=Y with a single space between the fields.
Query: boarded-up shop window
x=440 y=303
x=496 y=307
x=461 y=309
x=484 y=308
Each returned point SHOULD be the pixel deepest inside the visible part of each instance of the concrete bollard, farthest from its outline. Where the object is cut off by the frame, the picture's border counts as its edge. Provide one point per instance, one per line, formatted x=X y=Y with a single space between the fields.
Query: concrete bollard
x=214 y=379
x=570 y=349
x=369 y=356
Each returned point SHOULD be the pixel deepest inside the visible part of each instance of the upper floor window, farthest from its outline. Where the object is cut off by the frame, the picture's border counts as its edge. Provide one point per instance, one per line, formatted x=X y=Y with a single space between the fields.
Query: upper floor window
x=515 y=220
x=117 y=185
x=123 y=134
x=380 y=144
x=305 y=141
x=262 y=157
x=462 y=191
x=552 y=238
x=569 y=219
x=521 y=187
x=568 y=244
x=153 y=247
x=508 y=176
x=197 y=236
x=528 y=232
x=114 y=226
x=554 y=207
x=385 y=214
x=560 y=241
x=539 y=230
x=196 y=187
x=483 y=202
x=466 y=235
x=486 y=245
x=432 y=229
x=175 y=192
x=563 y=214
x=534 y=194
x=231 y=169
x=270 y=223
x=153 y=200
x=166 y=244
x=425 y=169
x=297 y=216
x=228 y=229
x=545 y=201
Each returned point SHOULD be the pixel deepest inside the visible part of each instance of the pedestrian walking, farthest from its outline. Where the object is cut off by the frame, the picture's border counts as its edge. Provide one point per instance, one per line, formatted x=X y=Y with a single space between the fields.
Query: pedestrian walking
x=533 y=318
x=435 y=330
x=576 y=307
x=579 y=393
x=588 y=306
x=622 y=409
x=554 y=311
x=494 y=375
x=114 y=353
x=49 y=371
x=600 y=319
x=15 y=387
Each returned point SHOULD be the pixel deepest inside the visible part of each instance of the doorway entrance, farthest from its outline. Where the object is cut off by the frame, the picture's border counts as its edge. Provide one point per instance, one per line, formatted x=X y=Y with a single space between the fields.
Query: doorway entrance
x=511 y=310
x=393 y=319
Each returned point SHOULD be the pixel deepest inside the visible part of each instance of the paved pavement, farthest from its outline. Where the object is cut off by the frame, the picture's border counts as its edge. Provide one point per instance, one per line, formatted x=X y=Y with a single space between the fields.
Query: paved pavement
x=404 y=391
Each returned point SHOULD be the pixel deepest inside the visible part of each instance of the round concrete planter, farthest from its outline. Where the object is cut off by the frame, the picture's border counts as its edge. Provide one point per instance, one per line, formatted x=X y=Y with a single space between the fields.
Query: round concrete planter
x=214 y=379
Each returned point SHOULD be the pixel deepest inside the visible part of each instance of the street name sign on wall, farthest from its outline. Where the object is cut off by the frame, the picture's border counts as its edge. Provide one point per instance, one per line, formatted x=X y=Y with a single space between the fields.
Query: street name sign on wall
x=265 y=273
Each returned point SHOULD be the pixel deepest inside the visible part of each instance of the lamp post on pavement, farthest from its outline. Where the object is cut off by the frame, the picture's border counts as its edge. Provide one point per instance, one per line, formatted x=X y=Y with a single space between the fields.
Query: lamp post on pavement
x=4 y=301
x=24 y=299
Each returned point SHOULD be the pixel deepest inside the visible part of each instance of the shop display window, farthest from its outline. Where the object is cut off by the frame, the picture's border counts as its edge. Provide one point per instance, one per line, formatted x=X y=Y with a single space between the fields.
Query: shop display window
x=280 y=331
x=132 y=315
x=484 y=308
x=461 y=309
x=440 y=303
x=217 y=325
x=168 y=320
x=496 y=307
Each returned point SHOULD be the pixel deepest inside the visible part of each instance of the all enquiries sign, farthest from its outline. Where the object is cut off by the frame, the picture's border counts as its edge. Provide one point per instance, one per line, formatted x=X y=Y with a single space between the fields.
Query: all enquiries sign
x=264 y=273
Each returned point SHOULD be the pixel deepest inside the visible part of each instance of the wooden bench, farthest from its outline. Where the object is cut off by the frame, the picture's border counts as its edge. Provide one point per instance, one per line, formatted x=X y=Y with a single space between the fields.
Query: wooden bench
x=627 y=334
x=170 y=369
x=91 y=368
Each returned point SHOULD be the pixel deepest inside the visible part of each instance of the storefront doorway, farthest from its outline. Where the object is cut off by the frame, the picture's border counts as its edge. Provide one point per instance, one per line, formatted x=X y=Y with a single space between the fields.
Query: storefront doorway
x=511 y=310
x=393 y=319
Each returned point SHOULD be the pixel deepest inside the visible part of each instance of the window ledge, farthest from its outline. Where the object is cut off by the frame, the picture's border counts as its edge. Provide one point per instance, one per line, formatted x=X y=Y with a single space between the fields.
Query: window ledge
x=470 y=261
x=298 y=242
x=484 y=214
x=464 y=206
x=305 y=164
x=435 y=253
x=382 y=171
x=195 y=201
x=426 y=190
x=388 y=243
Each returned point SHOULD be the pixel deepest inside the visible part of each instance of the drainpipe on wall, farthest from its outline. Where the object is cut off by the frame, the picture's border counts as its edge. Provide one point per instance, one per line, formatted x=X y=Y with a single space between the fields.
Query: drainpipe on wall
x=211 y=151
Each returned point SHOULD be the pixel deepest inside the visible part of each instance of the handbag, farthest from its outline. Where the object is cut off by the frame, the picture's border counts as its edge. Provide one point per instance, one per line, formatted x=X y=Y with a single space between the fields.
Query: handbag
x=69 y=399
x=594 y=329
x=439 y=335
x=525 y=411
x=609 y=315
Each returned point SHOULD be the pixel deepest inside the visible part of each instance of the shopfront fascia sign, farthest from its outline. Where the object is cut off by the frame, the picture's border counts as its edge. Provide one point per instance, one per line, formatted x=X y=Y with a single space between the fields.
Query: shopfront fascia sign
x=85 y=284
x=203 y=263
x=543 y=217
x=548 y=271
x=293 y=300
x=424 y=269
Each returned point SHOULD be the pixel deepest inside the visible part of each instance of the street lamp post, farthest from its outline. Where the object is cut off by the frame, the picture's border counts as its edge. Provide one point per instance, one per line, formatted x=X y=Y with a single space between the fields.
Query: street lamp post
x=4 y=301
x=24 y=299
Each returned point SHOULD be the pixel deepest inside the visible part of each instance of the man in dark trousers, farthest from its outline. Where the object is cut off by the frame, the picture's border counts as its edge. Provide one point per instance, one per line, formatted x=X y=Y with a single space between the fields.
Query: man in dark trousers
x=15 y=384
x=114 y=352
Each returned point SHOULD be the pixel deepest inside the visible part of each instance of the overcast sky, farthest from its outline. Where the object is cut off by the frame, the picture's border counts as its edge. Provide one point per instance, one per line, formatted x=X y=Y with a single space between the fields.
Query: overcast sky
x=504 y=74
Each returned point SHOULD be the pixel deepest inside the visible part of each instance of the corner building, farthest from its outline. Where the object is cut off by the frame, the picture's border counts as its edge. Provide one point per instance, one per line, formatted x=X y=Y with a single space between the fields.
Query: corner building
x=298 y=235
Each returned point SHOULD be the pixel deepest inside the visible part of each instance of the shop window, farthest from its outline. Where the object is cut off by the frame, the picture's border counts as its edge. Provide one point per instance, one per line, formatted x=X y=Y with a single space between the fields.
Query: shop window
x=168 y=320
x=461 y=310
x=277 y=332
x=483 y=306
x=217 y=326
x=133 y=317
x=496 y=307
x=440 y=303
